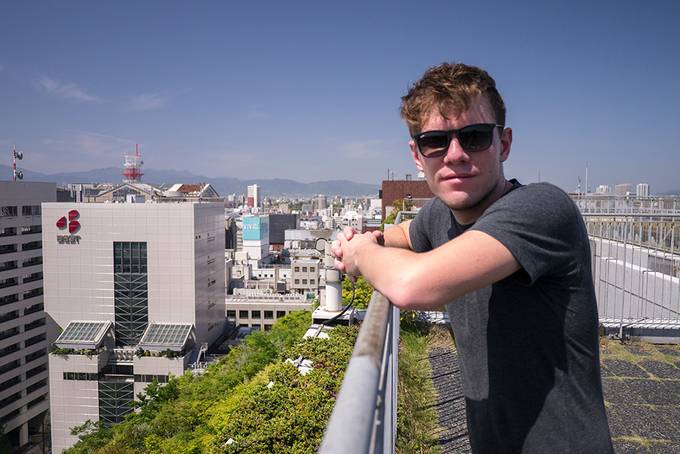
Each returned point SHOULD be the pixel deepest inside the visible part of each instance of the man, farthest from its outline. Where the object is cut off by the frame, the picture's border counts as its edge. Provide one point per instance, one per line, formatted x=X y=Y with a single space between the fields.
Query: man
x=510 y=262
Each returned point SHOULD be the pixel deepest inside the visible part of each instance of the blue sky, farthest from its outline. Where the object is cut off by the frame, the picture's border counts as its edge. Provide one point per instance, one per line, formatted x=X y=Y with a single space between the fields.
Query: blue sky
x=311 y=90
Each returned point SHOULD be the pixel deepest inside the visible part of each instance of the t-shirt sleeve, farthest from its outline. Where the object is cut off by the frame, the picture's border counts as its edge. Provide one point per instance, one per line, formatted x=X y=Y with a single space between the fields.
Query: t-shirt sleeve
x=539 y=224
x=418 y=232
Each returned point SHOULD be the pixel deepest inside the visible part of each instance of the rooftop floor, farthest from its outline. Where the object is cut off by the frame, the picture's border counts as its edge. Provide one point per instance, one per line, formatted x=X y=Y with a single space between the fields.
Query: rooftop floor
x=641 y=385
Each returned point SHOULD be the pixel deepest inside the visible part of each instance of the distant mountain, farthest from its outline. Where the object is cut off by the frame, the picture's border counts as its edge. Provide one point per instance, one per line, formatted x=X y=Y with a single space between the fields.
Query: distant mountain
x=223 y=185
x=671 y=192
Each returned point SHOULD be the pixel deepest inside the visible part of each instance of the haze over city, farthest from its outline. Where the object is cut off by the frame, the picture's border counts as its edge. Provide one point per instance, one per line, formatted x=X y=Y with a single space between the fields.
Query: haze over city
x=311 y=92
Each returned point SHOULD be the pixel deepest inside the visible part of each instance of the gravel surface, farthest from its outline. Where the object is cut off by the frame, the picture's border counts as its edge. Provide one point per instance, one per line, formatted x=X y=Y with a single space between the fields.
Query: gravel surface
x=453 y=437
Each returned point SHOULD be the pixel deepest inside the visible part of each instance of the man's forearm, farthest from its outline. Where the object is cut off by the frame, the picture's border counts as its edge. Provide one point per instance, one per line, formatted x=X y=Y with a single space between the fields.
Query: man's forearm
x=398 y=236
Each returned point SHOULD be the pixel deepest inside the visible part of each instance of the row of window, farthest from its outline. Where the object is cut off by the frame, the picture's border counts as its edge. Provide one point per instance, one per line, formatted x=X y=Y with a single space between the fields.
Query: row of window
x=13 y=264
x=268 y=315
x=304 y=281
x=9 y=299
x=26 y=210
x=15 y=330
x=25 y=230
x=312 y=269
x=94 y=376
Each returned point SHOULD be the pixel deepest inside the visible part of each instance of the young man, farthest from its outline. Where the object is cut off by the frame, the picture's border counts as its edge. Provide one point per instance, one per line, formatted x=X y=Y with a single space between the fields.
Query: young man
x=510 y=262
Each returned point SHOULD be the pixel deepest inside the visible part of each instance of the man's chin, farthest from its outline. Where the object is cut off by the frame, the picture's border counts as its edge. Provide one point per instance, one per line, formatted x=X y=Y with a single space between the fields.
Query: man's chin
x=458 y=202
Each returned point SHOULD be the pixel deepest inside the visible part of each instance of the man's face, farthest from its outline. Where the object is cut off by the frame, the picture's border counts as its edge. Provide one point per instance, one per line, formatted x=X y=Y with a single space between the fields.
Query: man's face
x=464 y=179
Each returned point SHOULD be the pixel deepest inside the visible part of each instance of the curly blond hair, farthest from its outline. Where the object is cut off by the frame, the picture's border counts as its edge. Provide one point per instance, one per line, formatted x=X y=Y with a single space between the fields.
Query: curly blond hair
x=450 y=88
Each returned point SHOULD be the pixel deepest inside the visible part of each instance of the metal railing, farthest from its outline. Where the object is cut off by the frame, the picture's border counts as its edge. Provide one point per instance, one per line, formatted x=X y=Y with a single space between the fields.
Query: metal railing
x=636 y=271
x=364 y=418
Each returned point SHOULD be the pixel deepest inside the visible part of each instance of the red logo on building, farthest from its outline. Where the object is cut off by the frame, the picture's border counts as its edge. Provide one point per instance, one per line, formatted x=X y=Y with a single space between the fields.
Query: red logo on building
x=72 y=222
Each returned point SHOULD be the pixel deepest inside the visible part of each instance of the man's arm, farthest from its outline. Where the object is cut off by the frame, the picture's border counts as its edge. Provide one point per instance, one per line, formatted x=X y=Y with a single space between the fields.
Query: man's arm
x=431 y=279
x=398 y=236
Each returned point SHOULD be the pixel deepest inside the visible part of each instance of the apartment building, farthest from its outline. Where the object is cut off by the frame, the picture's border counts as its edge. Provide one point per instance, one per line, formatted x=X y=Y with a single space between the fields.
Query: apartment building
x=23 y=342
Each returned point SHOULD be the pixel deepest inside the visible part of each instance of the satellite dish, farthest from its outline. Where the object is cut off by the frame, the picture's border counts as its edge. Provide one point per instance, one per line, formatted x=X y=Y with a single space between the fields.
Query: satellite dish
x=20 y=175
x=19 y=155
x=321 y=245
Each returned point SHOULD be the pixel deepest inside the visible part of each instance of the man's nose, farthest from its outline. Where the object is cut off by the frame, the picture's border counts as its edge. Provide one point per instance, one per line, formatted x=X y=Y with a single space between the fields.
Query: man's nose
x=455 y=152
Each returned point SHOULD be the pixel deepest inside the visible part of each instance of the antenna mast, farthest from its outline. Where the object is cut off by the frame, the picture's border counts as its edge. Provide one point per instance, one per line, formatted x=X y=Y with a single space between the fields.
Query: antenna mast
x=132 y=167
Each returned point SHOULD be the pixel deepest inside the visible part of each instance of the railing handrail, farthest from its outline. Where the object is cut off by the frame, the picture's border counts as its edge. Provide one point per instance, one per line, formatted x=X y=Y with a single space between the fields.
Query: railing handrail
x=364 y=416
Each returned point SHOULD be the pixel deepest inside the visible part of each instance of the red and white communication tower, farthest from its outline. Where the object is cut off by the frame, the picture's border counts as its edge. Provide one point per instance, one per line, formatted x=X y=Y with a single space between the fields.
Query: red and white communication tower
x=132 y=168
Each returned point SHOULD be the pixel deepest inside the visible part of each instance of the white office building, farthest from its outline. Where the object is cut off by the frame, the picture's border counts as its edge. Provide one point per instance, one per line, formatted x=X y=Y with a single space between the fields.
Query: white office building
x=133 y=292
x=23 y=343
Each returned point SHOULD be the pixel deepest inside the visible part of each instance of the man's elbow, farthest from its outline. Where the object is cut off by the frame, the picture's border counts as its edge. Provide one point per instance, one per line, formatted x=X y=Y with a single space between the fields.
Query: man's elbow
x=406 y=293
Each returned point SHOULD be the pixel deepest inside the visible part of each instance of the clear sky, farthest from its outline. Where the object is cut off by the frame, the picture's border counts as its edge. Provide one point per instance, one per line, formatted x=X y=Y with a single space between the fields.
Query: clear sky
x=310 y=90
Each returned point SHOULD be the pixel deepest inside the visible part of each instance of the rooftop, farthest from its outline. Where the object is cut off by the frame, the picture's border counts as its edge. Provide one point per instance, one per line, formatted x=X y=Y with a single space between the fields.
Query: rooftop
x=641 y=384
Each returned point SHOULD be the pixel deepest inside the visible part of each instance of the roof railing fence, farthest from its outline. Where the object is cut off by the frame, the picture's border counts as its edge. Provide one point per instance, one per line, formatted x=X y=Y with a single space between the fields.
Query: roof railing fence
x=636 y=271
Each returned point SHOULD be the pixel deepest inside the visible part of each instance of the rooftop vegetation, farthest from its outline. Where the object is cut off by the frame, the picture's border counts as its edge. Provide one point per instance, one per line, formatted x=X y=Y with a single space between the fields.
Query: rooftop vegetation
x=250 y=401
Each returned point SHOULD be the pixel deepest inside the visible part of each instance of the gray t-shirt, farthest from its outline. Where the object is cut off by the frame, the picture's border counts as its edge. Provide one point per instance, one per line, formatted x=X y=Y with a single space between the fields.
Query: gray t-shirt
x=528 y=344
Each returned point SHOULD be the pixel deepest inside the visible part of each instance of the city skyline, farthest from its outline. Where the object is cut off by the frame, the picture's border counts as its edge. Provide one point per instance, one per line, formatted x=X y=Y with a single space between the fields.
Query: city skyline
x=312 y=94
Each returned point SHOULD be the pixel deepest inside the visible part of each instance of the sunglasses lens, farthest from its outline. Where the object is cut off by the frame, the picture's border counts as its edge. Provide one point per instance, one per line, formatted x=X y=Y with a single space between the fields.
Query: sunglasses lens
x=476 y=137
x=433 y=143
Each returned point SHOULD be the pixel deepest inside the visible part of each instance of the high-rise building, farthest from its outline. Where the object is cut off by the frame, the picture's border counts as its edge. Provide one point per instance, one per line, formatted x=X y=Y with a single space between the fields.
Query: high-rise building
x=134 y=292
x=23 y=341
x=253 y=199
x=642 y=190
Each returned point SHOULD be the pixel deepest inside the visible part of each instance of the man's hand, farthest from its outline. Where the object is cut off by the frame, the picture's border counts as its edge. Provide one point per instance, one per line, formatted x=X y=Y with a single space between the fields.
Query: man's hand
x=349 y=245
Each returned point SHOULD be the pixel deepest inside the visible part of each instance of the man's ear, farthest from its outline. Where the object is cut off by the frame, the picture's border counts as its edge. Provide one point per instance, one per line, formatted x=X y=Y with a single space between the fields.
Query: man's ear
x=506 y=143
x=416 y=156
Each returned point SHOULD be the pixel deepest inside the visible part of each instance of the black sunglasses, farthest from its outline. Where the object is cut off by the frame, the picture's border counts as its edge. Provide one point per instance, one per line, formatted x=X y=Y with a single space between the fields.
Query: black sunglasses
x=433 y=144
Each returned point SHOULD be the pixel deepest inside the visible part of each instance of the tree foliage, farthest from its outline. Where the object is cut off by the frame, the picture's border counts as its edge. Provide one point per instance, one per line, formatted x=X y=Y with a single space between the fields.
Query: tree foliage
x=399 y=205
x=362 y=292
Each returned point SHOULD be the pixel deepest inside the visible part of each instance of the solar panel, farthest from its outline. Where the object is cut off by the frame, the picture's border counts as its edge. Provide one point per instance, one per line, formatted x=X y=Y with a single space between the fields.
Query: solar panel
x=79 y=332
x=166 y=335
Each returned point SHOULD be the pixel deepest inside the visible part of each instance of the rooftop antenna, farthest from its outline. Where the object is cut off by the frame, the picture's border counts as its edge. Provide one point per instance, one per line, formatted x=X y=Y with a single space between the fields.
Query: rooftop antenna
x=586 y=177
x=16 y=173
x=132 y=167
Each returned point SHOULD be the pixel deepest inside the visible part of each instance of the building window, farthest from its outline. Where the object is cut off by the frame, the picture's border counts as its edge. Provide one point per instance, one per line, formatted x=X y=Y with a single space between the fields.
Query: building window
x=130 y=293
x=304 y=282
x=28 y=230
x=30 y=210
x=115 y=399
x=256 y=314
x=8 y=211
x=31 y=245
x=268 y=315
x=243 y=314
x=297 y=269
x=312 y=281
x=267 y=327
x=82 y=376
x=280 y=314
x=297 y=281
x=8 y=231
x=312 y=269
x=304 y=269
x=231 y=314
